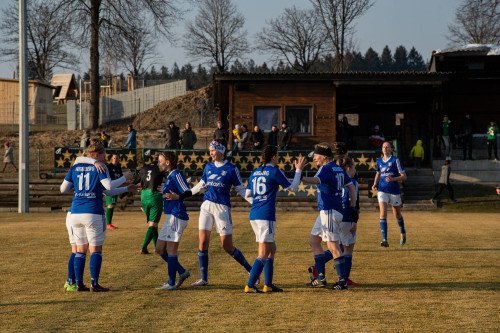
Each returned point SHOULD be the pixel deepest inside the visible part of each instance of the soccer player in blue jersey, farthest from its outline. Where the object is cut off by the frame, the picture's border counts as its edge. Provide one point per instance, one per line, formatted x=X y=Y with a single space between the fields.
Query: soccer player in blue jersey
x=262 y=187
x=88 y=224
x=218 y=178
x=175 y=190
x=389 y=172
x=330 y=180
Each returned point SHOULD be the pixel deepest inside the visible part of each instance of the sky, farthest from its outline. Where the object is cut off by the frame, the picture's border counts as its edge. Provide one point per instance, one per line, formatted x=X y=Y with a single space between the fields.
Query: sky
x=419 y=23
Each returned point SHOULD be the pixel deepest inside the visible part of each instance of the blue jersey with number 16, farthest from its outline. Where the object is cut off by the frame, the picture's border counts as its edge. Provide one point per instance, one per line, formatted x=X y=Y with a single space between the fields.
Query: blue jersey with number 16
x=86 y=180
x=264 y=183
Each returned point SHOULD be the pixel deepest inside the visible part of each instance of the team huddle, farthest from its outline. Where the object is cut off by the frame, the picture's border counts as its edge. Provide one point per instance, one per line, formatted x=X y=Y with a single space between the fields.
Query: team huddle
x=336 y=223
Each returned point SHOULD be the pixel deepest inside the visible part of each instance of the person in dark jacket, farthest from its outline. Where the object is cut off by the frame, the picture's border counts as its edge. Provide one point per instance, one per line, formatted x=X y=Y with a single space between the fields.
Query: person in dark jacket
x=257 y=138
x=467 y=131
x=284 y=136
x=272 y=139
x=188 y=137
x=221 y=134
x=172 y=136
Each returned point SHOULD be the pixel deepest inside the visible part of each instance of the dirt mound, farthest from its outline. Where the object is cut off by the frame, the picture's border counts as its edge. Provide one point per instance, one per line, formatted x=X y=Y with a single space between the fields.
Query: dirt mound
x=195 y=107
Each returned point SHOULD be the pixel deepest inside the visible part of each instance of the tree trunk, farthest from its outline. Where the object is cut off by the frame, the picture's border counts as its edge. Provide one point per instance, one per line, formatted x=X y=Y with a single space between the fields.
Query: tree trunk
x=94 y=63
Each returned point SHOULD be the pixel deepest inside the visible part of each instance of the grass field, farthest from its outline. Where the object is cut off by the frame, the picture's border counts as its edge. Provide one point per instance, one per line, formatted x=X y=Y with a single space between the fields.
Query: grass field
x=446 y=279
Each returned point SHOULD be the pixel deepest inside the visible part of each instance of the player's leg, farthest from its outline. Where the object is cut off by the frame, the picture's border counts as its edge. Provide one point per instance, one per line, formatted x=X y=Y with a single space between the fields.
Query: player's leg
x=383 y=199
x=70 y=284
x=205 y=224
x=396 y=209
x=110 y=207
x=81 y=241
x=332 y=236
x=224 y=226
x=347 y=240
x=258 y=265
x=96 y=233
x=269 y=272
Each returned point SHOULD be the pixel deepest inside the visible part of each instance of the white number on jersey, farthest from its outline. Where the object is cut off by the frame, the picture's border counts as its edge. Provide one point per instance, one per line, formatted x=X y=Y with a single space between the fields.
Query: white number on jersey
x=80 y=181
x=259 y=185
x=340 y=181
x=148 y=178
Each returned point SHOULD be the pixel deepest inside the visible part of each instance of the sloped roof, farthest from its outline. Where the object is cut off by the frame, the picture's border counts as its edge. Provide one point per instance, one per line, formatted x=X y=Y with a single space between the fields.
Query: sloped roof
x=471 y=49
x=65 y=81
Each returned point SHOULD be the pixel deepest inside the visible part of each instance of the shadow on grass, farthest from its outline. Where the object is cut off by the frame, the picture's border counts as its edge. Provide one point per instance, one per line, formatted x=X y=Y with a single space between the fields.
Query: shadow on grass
x=42 y=303
x=433 y=286
x=408 y=249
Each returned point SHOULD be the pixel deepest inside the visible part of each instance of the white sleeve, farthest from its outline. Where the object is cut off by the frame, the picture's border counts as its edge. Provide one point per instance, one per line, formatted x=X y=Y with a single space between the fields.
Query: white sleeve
x=112 y=184
x=248 y=196
x=198 y=187
x=296 y=181
x=66 y=186
x=240 y=189
x=84 y=160
x=116 y=191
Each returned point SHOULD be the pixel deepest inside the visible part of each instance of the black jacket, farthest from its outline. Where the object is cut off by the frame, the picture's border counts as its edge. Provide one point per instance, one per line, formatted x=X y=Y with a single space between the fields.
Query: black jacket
x=221 y=135
x=272 y=139
x=284 y=137
x=257 y=137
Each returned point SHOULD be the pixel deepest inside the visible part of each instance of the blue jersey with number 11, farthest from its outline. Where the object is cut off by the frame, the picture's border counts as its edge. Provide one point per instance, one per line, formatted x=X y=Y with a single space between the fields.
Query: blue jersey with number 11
x=333 y=179
x=86 y=180
x=264 y=183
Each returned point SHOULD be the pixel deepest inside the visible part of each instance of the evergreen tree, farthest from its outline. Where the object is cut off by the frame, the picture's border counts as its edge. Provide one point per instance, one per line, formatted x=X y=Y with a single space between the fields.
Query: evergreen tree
x=238 y=67
x=386 y=61
x=400 y=59
x=415 y=61
x=251 y=66
x=356 y=61
x=164 y=74
x=176 y=73
x=153 y=74
x=371 y=61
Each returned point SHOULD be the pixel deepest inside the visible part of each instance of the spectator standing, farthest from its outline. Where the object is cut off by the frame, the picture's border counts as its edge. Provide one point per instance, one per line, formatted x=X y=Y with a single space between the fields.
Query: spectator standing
x=188 y=137
x=344 y=132
x=172 y=136
x=284 y=136
x=115 y=172
x=221 y=134
x=447 y=136
x=272 y=139
x=444 y=182
x=242 y=141
x=236 y=136
x=105 y=139
x=257 y=138
x=85 y=139
x=8 y=157
x=132 y=137
x=376 y=139
x=417 y=153
x=467 y=131
x=492 y=132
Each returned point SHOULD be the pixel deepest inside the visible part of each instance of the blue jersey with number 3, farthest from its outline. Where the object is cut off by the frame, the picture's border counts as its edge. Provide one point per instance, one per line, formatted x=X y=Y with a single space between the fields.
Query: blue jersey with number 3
x=264 y=183
x=176 y=182
x=87 y=198
x=333 y=179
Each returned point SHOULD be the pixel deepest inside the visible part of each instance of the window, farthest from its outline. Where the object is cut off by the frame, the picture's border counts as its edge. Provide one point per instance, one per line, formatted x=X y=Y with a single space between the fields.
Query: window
x=266 y=116
x=298 y=119
x=352 y=118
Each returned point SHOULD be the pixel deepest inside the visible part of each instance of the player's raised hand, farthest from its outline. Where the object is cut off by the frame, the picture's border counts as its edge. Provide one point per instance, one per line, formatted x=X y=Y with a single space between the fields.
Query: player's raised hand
x=171 y=196
x=301 y=163
x=128 y=175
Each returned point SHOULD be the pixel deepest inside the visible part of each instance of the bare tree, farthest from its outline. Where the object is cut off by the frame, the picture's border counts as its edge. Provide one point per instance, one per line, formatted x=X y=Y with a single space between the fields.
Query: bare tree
x=476 y=22
x=134 y=45
x=337 y=17
x=216 y=33
x=293 y=37
x=48 y=38
x=94 y=17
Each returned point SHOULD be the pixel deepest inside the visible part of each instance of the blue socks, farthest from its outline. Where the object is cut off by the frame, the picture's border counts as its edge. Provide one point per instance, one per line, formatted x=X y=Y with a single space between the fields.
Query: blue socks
x=203 y=261
x=328 y=256
x=258 y=266
x=95 y=267
x=71 y=269
x=173 y=261
x=383 y=228
x=340 y=268
x=164 y=256
x=348 y=265
x=239 y=257
x=401 y=223
x=319 y=262
x=268 y=272
x=79 y=267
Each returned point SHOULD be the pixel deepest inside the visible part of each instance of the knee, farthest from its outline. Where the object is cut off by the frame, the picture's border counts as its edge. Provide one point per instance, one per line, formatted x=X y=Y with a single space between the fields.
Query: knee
x=314 y=241
x=229 y=248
